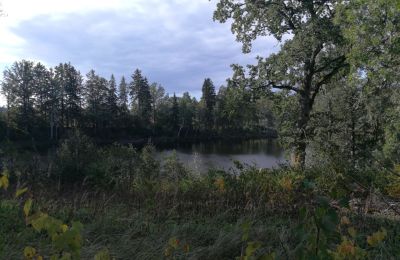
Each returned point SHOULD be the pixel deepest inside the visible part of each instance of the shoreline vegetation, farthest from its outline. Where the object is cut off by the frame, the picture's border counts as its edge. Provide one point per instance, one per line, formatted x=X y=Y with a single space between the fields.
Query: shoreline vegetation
x=131 y=206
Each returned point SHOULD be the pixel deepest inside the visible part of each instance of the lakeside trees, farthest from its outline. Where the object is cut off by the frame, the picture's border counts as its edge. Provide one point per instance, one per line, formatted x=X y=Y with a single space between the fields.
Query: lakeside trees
x=338 y=52
x=45 y=104
x=307 y=61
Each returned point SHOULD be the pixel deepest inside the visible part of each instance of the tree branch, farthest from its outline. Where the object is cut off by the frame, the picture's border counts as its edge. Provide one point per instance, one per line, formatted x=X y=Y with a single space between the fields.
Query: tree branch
x=341 y=64
x=327 y=77
x=288 y=87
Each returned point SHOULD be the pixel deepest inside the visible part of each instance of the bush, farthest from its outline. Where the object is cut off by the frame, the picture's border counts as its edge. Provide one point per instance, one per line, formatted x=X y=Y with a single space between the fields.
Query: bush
x=75 y=159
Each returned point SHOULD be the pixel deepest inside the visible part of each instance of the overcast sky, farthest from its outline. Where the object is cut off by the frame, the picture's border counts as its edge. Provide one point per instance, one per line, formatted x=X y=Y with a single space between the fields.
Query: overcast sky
x=174 y=42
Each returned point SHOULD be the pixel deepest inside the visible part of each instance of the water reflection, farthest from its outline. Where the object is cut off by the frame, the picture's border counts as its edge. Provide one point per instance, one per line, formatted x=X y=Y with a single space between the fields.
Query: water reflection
x=221 y=154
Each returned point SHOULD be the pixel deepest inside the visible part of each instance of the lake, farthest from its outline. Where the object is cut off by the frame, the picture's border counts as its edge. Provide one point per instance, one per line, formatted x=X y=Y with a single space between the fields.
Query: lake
x=202 y=156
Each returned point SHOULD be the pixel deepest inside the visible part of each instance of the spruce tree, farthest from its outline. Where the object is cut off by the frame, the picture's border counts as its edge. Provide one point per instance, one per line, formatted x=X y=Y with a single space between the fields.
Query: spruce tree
x=208 y=100
x=96 y=97
x=140 y=97
x=123 y=95
x=112 y=101
x=69 y=83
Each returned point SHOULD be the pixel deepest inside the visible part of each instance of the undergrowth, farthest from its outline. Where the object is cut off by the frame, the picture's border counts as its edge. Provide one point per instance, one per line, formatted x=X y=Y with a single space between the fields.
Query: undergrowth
x=137 y=208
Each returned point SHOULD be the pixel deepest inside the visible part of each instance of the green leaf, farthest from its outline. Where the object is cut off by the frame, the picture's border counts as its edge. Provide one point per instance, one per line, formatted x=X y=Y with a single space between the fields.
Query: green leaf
x=246 y=228
x=330 y=221
x=270 y=256
x=323 y=201
x=66 y=256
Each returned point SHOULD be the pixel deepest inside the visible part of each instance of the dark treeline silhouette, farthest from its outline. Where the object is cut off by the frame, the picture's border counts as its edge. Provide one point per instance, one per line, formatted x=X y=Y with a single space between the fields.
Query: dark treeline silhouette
x=45 y=104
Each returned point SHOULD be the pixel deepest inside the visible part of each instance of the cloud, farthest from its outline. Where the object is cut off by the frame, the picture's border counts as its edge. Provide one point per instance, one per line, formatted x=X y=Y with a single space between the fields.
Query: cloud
x=174 y=42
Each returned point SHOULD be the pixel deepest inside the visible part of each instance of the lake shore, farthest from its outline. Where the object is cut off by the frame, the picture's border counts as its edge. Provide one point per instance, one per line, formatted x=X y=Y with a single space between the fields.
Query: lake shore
x=169 y=140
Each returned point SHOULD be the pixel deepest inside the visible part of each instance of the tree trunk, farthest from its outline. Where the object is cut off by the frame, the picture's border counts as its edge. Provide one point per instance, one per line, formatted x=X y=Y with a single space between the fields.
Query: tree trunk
x=300 y=145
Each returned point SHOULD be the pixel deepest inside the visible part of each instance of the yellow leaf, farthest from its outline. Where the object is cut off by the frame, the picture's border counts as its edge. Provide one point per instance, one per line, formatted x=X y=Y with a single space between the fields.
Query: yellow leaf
x=40 y=257
x=352 y=232
x=4 y=182
x=19 y=192
x=220 y=183
x=29 y=252
x=102 y=255
x=39 y=221
x=64 y=228
x=397 y=168
x=346 y=248
x=186 y=248
x=376 y=238
x=287 y=184
x=27 y=207
x=168 y=251
x=173 y=242
x=345 y=221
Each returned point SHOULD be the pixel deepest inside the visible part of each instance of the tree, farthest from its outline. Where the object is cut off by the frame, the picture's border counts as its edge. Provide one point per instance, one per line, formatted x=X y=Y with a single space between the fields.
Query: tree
x=112 y=101
x=42 y=82
x=141 y=97
x=157 y=93
x=19 y=88
x=187 y=111
x=208 y=99
x=175 y=115
x=95 y=93
x=372 y=29
x=307 y=61
x=123 y=95
x=69 y=83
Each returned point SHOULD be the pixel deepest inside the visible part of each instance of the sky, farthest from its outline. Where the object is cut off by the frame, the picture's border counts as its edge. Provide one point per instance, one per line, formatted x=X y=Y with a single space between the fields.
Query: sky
x=175 y=43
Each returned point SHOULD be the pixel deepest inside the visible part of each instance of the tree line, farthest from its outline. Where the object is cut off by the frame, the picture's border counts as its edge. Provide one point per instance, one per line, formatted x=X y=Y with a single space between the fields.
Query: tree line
x=45 y=104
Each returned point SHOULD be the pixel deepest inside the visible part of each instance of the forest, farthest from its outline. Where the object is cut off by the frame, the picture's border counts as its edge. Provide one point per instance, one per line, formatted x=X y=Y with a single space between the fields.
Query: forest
x=80 y=179
x=46 y=104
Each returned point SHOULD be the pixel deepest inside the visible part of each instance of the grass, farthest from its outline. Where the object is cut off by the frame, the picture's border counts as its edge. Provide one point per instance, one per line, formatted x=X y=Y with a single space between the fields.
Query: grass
x=207 y=215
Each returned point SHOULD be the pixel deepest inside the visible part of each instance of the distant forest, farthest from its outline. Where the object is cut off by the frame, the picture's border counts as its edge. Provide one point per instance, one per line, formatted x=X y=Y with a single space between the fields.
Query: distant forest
x=45 y=104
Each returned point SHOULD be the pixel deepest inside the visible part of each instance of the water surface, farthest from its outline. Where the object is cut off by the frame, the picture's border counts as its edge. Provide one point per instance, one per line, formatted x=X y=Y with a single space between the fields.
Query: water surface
x=202 y=156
